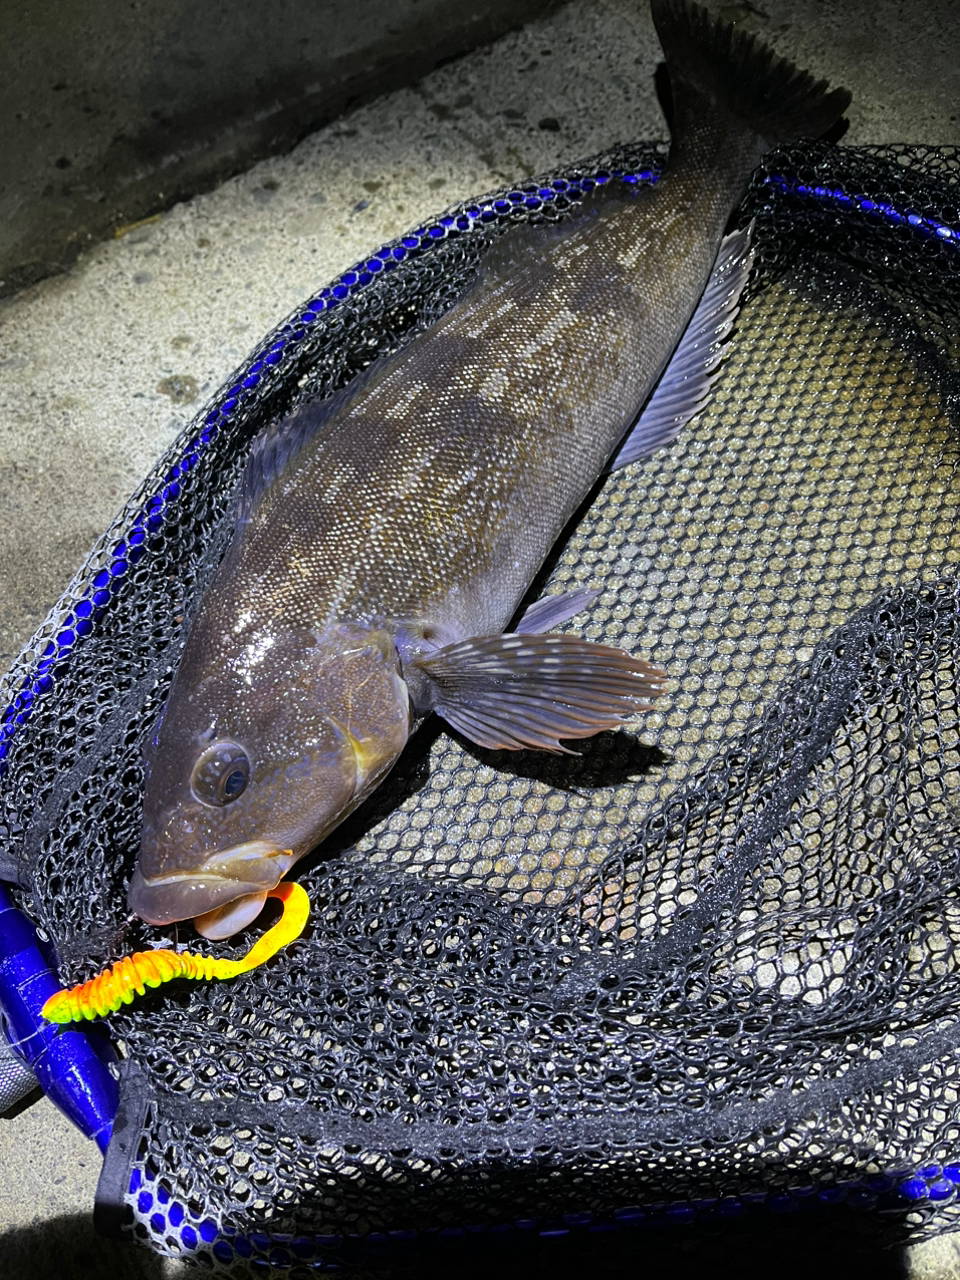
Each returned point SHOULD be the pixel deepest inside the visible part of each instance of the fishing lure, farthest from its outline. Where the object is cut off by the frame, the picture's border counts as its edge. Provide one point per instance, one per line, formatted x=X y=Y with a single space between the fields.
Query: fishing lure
x=133 y=974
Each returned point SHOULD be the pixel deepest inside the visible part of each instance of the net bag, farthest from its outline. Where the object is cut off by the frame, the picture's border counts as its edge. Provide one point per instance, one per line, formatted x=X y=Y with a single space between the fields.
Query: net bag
x=711 y=963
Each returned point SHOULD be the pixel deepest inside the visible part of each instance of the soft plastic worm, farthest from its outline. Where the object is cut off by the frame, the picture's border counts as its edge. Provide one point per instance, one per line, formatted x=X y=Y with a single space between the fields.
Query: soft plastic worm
x=132 y=975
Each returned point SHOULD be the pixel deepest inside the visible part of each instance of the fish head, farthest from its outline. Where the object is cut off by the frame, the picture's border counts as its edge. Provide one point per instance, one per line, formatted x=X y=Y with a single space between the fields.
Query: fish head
x=261 y=751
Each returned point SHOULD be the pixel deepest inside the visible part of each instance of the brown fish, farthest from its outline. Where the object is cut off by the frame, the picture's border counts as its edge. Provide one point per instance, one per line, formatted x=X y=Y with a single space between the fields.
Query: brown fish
x=386 y=537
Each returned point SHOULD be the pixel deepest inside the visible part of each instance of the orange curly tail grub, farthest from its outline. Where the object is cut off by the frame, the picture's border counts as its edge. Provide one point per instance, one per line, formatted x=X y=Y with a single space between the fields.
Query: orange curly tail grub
x=132 y=975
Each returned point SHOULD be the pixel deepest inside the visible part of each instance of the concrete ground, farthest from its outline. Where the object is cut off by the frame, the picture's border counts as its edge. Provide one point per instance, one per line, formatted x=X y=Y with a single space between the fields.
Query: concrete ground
x=100 y=368
x=113 y=111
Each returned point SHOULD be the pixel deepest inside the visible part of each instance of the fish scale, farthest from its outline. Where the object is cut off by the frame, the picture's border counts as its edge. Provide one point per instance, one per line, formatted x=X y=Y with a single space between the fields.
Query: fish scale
x=535 y=432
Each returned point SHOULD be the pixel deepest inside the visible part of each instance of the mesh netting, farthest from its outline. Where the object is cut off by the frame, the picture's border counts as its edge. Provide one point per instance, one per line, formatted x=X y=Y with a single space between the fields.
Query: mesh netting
x=16 y=1080
x=712 y=961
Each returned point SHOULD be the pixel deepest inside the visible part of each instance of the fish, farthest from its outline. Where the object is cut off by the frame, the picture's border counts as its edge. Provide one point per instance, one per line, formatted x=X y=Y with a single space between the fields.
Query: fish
x=386 y=536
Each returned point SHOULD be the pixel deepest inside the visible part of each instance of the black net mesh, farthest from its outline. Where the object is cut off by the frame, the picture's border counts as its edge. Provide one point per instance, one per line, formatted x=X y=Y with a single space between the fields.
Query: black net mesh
x=713 y=961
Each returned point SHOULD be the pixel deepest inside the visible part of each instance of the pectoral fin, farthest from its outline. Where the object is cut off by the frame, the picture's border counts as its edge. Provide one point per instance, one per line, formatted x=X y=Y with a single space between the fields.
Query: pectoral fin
x=519 y=691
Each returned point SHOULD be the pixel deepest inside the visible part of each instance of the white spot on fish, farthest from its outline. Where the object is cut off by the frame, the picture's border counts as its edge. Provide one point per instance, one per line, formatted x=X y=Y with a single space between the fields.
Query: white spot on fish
x=343 y=476
x=478 y=330
x=256 y=651
x=546 y=336
x=495 y=386
x=405 y=399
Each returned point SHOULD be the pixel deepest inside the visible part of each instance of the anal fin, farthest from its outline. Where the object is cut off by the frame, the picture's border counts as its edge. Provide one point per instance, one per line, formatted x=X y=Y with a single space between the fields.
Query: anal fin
x=684 y=386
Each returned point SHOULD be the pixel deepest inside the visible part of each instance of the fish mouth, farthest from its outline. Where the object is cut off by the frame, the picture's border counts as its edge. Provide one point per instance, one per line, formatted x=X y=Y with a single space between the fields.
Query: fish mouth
x=243 y=870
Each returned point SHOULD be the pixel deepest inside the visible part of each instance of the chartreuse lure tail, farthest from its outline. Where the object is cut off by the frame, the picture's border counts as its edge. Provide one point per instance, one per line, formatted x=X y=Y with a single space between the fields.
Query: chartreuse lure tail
x=132 y=975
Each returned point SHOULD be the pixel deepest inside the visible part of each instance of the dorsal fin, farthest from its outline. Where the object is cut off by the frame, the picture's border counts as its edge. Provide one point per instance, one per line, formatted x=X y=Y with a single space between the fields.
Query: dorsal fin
x=523 y=244
x=278 y=444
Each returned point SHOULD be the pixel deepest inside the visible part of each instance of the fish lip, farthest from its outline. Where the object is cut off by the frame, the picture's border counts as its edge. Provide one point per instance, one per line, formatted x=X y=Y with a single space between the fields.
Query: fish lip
x=242 y=870
x=238 y=860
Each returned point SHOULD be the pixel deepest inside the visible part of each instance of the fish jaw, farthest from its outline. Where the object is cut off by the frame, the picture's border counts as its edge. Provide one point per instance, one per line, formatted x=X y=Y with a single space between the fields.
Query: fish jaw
x=242 y=872
x=223 y=922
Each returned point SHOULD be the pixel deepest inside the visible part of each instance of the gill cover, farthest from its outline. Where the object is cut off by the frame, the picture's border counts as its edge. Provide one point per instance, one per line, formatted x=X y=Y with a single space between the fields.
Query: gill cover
x=263 y=748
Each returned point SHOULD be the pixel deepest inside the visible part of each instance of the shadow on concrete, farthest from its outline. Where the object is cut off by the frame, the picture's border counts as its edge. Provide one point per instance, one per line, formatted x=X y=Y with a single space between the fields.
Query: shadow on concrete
x=22 y=1104
x=827 y=1246
x=821 y=1246
x=68 y=1248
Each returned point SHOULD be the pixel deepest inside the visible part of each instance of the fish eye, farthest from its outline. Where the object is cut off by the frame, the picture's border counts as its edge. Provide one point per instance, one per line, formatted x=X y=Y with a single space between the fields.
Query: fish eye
x=220 y=774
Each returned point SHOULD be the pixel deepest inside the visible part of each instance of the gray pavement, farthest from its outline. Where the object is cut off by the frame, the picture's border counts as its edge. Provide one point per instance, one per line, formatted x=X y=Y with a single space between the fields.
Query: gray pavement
x=113 y=111
x=101 y=367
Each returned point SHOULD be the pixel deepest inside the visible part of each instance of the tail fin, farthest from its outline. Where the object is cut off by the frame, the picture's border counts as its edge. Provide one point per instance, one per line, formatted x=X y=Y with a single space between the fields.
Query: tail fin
x=741 y=76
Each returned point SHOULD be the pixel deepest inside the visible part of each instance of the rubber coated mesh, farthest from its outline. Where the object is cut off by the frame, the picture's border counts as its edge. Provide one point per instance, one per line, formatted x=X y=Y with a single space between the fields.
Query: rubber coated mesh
x=16 y=1080
x=714 y=960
